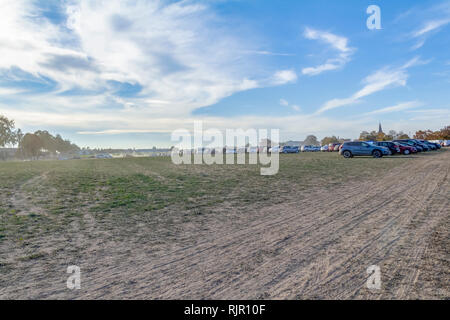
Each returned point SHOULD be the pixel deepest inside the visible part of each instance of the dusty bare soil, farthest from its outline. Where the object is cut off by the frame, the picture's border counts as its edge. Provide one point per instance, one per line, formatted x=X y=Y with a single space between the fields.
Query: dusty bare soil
x=317 y=245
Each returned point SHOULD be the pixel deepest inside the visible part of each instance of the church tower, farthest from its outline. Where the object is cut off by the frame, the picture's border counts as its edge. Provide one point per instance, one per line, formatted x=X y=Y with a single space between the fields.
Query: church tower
x=379 y=128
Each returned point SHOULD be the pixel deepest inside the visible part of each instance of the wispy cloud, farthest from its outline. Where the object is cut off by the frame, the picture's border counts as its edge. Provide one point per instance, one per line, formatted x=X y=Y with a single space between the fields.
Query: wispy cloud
x=422 y=34
x=431 y=26
x=269 y=53
x=378 y=81
x=395 y=108
x=431 y=114
x=437 y=19
x=338 y=43
x=176 y=53
x=286 y=103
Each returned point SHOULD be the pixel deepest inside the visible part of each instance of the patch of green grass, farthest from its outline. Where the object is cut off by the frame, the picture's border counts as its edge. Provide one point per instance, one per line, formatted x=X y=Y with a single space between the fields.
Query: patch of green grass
x=33 y=256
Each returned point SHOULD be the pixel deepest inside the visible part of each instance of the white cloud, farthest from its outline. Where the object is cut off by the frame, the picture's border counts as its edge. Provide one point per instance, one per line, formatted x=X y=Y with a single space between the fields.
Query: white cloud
x=438 y=19
x=284 y=77
x=430 y=26
x=398 y=107
x=378 y=81
x=176 y=51
x=442 y=114
x=269 y=53
x=87 y=123
x=9 y=91
x=285 y=103
x=338 y=43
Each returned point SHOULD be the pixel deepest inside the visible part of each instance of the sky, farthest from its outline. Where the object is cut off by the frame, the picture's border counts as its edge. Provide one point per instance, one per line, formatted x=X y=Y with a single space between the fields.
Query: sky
x=126 y=74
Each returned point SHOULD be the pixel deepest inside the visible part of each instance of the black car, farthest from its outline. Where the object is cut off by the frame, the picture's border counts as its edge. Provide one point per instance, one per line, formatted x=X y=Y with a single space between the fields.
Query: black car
x=388 y=144
x=433 y=145
x=413 y=143
x=424 y=146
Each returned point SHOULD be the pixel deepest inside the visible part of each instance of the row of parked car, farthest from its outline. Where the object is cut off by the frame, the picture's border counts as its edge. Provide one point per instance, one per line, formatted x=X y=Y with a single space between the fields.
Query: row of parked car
x=378 y=149
x=347 y=149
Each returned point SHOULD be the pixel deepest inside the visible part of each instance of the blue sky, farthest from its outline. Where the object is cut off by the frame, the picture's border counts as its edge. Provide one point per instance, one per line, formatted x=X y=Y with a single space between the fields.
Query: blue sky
x=126 y=74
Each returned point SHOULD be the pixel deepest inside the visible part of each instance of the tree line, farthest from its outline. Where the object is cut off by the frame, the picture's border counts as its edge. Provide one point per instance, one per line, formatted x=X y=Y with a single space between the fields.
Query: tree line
x=442 y=134
x=381 y=136
x=33 y=145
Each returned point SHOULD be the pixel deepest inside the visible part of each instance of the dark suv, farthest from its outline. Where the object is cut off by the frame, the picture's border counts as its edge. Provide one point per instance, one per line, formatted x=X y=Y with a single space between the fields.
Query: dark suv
x=388 y=144
x=361 y=148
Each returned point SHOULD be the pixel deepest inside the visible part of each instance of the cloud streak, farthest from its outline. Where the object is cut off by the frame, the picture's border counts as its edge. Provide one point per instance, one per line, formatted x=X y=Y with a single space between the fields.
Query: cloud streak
x=438 y=20
x=337 y=43
x=380 y=80
x=396 y=108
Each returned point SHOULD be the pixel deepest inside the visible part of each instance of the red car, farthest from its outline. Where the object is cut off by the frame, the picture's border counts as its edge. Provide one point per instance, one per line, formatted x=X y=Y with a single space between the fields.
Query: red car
x=331 y=147
x=406 y=149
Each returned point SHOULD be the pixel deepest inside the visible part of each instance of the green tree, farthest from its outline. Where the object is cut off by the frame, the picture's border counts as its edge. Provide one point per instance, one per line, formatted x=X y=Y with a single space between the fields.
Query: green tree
x=328 y=140
x=31 y=146
x=366 y=136
x=384 y=137
x=311 y=140
x=47 y=140
x=402 y=136
x=444 y=133
x=7 y=134
x=19 y=137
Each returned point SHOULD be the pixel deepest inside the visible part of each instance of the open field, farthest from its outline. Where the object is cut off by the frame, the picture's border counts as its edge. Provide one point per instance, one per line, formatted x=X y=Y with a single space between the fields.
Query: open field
x=147 y=229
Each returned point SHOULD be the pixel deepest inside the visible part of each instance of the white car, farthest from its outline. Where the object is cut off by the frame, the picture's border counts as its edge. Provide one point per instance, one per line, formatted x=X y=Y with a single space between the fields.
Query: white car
x=275 y=149
x=324 y=148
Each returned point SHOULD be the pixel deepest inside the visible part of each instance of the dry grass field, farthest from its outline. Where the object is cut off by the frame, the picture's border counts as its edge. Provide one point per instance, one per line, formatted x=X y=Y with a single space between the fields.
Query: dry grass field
x=145 y=228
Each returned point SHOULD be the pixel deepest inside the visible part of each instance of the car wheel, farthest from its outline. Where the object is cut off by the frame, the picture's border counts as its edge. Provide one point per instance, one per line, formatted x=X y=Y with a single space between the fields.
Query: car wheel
x=406 y=152
x=347 y=154
x=377 y=154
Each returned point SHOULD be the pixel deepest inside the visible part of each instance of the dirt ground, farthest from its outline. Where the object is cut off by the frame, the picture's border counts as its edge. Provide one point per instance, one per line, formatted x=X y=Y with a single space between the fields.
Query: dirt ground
x=317 y=245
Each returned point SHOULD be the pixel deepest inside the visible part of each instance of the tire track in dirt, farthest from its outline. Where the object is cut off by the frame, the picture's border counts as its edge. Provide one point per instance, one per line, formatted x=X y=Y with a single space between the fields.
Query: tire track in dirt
x=390 y=229
x=287 y=252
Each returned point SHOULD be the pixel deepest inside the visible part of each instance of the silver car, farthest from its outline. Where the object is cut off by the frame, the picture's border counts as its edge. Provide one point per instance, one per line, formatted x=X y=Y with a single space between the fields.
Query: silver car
x=361 y=148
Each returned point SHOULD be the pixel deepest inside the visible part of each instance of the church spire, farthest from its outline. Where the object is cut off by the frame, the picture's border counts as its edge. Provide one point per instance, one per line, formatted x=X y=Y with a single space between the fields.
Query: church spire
x=379 y=128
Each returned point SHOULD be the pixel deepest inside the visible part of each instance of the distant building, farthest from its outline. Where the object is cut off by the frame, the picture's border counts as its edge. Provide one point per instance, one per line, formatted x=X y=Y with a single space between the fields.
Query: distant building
x=380 y=130
x=7 y=153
